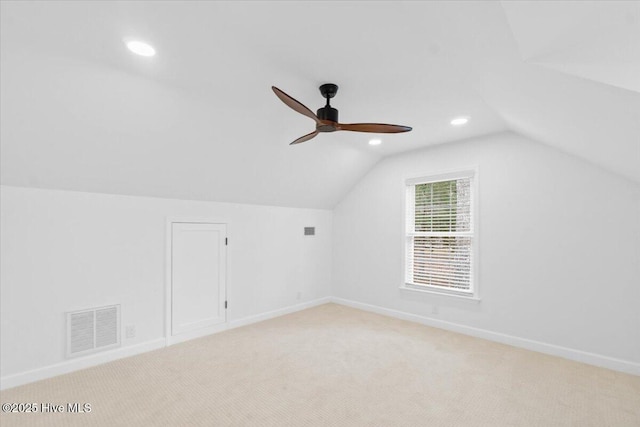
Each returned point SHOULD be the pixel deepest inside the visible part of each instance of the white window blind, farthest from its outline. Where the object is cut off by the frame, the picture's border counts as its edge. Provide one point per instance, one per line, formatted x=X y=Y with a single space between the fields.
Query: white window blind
x=440 y=234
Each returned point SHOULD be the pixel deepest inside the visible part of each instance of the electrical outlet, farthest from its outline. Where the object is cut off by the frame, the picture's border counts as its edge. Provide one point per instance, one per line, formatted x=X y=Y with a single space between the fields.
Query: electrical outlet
x=130 y=331
x=299 y=295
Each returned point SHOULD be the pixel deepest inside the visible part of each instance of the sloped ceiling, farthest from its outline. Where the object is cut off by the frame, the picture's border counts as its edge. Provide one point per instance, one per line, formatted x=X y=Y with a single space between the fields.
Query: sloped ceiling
x=199 y=121
x=590 y=39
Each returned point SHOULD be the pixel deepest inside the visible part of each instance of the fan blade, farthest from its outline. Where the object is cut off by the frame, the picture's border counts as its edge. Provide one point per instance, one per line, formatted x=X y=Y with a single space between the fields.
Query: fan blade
x=305 y=138
x=373 y=127
x=294 y=104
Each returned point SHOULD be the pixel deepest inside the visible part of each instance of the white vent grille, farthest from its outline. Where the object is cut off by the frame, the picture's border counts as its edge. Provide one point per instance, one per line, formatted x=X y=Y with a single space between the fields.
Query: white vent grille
x=93 y=330
x=82 y=331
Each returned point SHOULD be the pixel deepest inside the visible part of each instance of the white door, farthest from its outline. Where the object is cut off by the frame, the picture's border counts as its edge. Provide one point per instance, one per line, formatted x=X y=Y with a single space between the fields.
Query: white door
x=198 y=276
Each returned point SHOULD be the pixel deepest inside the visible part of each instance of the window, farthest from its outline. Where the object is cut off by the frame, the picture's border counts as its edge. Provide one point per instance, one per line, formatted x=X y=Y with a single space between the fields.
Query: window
x=440 y=234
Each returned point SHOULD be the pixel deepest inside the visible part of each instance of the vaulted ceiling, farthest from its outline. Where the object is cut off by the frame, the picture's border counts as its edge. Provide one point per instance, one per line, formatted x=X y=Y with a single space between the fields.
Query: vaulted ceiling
x=199 y=120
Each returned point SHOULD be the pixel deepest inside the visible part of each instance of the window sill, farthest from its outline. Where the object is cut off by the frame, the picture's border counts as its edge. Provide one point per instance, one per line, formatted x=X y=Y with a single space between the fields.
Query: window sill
x=440 y=293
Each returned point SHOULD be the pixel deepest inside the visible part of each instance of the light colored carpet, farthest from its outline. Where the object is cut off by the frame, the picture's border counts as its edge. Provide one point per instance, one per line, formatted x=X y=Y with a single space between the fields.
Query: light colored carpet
x=337 y=366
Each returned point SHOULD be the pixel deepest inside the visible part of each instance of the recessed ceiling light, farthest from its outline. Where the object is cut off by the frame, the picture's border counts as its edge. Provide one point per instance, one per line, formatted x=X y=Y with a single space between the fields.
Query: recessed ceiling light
x=375 y=141
x=140 y=48
x=459 y=121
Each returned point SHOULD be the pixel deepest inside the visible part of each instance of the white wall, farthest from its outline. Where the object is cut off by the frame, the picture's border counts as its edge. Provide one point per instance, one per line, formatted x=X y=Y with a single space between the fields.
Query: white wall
x=559 y=254
x=559 y=246
x=64 y=251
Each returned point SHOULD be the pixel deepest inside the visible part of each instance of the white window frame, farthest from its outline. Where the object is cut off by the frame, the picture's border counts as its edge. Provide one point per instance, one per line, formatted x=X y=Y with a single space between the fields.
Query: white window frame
x=409 y=184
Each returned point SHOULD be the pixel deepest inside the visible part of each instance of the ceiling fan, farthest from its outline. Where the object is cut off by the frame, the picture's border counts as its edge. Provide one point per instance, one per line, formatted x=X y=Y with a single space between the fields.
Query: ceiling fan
x=327 y=117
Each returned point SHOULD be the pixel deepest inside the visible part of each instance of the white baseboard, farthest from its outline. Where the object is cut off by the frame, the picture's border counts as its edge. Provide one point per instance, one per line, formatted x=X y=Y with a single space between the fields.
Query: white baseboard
x=79 y=363
x=276 y=313
x=554 y=350
x=72 y=365
x=198 y=333
x=100 y=358
x=175 y=339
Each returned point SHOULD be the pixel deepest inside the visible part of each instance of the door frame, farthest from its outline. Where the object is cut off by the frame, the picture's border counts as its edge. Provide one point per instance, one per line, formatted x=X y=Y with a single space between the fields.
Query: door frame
x=168 y=312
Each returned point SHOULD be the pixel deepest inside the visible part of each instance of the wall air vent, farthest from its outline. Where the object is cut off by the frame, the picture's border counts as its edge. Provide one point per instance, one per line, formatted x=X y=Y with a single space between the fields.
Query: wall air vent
x=92 y=330
x=309 y=231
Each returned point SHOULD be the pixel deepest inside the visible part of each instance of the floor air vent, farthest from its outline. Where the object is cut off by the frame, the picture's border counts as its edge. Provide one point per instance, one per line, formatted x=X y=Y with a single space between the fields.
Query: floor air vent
x=93 y=330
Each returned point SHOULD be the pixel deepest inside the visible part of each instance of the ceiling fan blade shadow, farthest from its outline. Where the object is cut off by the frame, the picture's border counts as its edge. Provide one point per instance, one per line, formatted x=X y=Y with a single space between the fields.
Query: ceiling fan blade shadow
x=373 y=127
x=295 y=104
x=305 y=137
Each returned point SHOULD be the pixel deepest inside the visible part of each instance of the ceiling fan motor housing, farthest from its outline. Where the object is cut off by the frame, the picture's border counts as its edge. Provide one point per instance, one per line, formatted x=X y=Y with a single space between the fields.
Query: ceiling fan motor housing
x=328 y=113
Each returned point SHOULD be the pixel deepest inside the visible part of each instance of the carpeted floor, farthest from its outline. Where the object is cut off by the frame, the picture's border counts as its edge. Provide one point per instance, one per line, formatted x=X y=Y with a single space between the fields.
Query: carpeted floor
x=337 y=366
